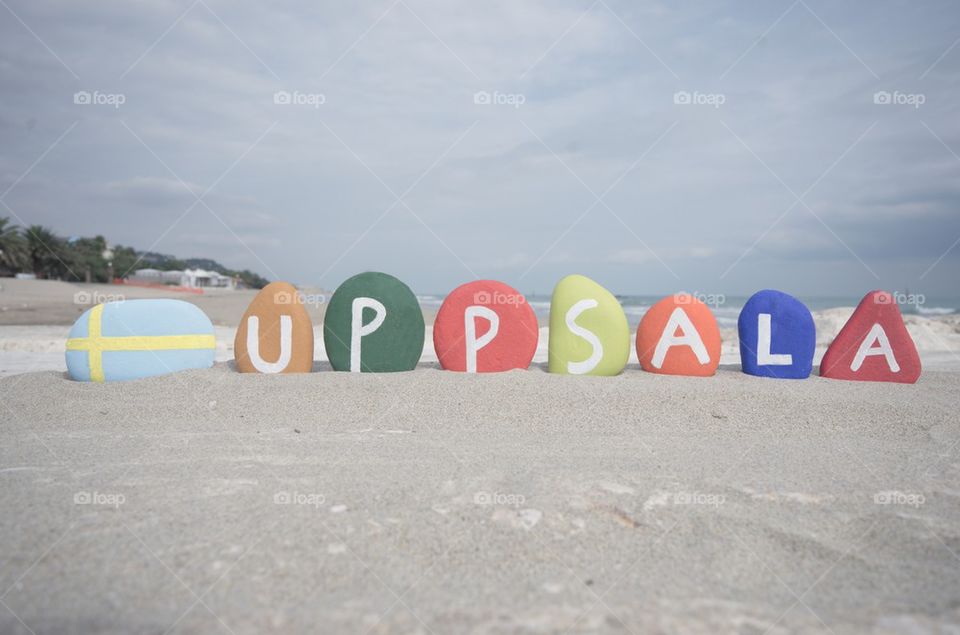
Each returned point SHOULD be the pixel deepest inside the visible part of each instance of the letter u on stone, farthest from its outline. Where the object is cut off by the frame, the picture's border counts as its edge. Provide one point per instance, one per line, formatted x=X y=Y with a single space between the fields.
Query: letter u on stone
x=286 y=345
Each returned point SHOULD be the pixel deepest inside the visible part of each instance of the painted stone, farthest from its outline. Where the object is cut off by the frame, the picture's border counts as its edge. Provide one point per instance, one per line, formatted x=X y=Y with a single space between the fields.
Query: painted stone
x=589 y=333
x=777 y=336
x=373 y=324
x=873 y=345
x=131 y=339
x=679 y=336
x=275 y=334
x=485 y=326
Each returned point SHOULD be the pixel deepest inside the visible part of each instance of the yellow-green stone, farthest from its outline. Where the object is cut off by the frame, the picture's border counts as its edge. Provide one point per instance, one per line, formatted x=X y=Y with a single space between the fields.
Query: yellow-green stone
x=599 y=341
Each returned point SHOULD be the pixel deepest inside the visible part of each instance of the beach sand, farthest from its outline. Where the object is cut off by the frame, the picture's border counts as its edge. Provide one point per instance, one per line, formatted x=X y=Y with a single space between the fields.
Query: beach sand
x=438 y=502
x=52 y=302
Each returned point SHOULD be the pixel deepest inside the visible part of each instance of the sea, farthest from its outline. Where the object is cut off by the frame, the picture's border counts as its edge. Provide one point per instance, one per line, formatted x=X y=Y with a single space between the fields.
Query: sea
x=727 y=308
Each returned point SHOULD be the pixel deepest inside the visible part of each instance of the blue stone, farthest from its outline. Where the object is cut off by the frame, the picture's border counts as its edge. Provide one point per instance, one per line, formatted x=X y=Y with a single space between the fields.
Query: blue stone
x=791 y=336
x=131 y=339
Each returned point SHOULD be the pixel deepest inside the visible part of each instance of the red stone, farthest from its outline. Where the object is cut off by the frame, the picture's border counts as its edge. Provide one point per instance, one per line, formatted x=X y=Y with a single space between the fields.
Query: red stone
x=876 y=318
x=517 y=332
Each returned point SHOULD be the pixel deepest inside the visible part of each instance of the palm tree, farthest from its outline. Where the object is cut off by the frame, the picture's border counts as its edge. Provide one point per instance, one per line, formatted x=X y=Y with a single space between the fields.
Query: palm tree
x=13 y=252
x=46 y=252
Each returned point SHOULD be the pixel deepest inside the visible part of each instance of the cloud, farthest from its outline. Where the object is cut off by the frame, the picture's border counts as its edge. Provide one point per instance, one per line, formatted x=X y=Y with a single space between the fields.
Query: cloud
x=509 y=189
x=645 y=256
x=150 y=190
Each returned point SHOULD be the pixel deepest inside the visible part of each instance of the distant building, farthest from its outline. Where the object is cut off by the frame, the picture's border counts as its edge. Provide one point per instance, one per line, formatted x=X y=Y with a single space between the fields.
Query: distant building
x=190 y=278
x=199 y=278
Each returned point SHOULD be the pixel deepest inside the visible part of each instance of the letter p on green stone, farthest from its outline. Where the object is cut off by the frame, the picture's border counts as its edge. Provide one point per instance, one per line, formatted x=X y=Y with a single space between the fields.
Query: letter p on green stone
x=373 y=324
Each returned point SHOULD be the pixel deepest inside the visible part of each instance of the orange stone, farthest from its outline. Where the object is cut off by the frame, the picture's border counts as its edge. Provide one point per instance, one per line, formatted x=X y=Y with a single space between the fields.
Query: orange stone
x=679 y=336
x=275 y=334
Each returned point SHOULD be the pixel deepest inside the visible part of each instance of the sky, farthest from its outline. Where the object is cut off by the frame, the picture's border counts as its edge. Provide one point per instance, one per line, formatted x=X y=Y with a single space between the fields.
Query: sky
x=710 y=147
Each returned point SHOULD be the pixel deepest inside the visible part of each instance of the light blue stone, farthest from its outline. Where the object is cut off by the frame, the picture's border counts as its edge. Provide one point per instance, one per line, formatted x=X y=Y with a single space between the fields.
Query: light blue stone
x=142 y=318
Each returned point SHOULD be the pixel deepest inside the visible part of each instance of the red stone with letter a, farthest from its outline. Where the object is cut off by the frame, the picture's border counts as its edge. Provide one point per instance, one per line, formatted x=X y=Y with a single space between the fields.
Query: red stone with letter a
x=873 y=345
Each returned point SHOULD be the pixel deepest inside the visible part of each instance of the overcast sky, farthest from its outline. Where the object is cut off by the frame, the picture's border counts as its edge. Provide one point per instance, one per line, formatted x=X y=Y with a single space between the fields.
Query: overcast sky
x=782 y=171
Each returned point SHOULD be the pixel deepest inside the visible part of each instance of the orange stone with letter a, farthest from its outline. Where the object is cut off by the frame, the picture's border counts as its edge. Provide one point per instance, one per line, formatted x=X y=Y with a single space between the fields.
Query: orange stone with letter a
x=679 y=336
x=275 y=334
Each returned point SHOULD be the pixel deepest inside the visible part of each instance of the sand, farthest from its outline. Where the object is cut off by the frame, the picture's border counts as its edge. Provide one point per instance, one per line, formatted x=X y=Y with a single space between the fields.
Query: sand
x=52 y=302
x=437 y=502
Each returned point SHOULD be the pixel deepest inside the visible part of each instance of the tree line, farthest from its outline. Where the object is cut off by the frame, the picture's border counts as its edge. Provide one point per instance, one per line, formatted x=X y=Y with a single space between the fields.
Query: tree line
x=40 y=251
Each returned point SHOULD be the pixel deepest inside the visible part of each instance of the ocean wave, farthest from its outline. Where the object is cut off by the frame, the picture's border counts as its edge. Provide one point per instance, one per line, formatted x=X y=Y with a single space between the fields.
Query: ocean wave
x=935 y=310
x=726 y=314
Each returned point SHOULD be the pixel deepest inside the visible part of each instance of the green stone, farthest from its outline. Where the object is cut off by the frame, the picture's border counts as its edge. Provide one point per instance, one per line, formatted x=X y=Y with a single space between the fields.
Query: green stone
x=363 y=301
x=589 y=334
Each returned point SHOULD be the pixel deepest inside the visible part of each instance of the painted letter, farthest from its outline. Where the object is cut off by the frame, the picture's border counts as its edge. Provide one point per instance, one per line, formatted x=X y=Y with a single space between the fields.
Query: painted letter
x=359 y=329
x=580 y=368
x=286 y=345
x=470 y=332
x=689 y=337
x=878 y=335
x=764 y=357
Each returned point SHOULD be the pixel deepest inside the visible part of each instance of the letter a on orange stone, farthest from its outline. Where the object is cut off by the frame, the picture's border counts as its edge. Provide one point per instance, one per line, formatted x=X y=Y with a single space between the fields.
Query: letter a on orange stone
x=679 y=336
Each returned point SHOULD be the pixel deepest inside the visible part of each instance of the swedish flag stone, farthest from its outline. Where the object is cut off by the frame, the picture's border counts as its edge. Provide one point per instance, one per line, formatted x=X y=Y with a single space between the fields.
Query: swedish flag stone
x=130 y=339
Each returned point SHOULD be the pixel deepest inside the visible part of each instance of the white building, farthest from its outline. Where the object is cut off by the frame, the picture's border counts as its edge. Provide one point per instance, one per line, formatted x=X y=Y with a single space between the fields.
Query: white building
x=190 y=278
x=199 y=278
